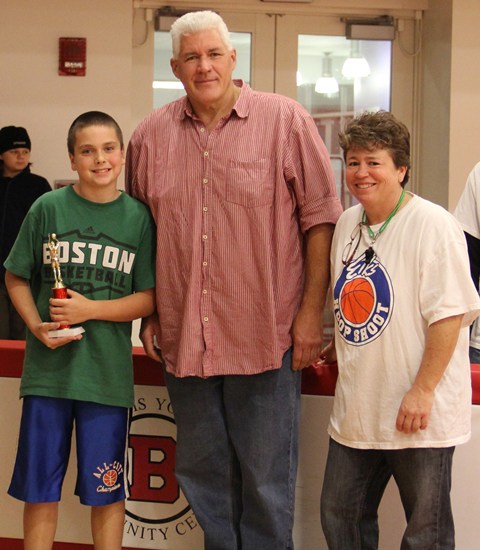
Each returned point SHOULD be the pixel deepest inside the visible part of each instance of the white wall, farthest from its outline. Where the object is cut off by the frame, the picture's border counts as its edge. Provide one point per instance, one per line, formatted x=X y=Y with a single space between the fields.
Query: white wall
x=450 y=98
x=465 y=95
x=32 y=94
x=119 y=57
x=434 y=108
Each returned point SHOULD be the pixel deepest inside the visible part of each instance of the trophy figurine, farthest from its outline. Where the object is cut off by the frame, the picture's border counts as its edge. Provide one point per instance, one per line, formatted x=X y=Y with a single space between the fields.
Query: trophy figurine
x=59 y=290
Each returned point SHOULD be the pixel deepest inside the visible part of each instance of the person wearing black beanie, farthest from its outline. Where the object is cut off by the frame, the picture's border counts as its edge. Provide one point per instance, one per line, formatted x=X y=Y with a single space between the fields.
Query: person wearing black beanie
x=19 y=188
x=14 y=137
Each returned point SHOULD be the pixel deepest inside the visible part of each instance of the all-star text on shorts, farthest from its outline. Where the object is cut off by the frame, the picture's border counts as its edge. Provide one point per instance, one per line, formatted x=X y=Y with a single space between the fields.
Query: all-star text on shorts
x=44 y=448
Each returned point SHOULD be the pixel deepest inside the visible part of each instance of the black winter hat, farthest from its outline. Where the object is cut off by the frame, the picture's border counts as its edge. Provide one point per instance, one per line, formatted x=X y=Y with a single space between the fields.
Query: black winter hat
x=12 y=137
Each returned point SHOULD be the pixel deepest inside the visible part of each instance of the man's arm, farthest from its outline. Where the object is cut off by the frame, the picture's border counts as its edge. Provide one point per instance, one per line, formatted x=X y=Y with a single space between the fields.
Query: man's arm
x=416 y=406
x=307 y=330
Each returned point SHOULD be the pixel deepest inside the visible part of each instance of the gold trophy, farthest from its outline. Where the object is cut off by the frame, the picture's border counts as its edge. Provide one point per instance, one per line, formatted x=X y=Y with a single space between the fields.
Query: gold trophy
x=59 y=290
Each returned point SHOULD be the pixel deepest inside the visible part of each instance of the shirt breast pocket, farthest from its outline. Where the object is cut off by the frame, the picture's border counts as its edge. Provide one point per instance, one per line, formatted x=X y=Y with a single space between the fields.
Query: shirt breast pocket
x=248 y=183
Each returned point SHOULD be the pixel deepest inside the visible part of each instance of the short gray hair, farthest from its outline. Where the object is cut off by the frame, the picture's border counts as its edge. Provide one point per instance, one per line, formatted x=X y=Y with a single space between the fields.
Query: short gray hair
x=197 y=21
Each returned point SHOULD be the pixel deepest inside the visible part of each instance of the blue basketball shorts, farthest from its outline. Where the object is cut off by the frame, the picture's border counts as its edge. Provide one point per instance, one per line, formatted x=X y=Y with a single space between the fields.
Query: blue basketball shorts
x=44 y=446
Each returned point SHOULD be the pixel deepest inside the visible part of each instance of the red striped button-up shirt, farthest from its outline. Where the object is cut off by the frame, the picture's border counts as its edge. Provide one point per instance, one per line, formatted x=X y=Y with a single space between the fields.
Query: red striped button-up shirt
x=231 y=206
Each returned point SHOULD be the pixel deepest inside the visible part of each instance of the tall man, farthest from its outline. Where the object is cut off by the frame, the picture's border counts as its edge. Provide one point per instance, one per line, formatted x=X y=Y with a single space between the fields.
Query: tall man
x=242 y=191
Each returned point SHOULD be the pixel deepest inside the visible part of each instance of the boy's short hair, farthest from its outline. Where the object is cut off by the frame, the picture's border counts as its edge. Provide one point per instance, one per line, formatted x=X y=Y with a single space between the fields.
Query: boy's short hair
x=197 y=21
x=91 y=118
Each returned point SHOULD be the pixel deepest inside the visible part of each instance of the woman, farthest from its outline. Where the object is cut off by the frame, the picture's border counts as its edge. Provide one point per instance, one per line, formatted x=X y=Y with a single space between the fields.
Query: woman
x=403 y=301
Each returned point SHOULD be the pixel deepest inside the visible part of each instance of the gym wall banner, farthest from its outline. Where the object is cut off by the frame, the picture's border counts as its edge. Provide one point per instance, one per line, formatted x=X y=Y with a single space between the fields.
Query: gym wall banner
x=157 y=513
x=158 y=517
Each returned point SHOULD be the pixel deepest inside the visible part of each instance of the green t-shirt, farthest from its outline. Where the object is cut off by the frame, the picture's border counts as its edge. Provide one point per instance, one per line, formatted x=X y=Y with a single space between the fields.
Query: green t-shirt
x=106 y=251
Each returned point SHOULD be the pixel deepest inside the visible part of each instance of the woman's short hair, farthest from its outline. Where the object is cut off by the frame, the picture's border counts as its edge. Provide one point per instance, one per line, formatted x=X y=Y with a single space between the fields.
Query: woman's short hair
x=197 y=21
x=378 y=130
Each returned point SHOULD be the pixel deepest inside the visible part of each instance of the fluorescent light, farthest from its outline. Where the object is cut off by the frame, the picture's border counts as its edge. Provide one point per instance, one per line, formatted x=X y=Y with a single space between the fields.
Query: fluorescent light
x=299 y=78
x=167 y=85
x=326 y=85
x=290 y=1
x=356 y=67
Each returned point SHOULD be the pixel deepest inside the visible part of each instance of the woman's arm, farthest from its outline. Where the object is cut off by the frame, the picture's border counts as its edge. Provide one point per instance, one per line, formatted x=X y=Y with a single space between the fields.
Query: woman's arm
x=414 y=412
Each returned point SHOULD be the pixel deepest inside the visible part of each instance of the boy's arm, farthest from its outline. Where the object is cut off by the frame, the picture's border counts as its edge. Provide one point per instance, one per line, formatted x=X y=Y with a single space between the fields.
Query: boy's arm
x=21 y=296
x=78 y=308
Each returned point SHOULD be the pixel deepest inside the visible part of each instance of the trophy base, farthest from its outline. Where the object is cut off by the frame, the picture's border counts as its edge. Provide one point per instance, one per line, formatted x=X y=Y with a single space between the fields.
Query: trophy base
x=61 y=332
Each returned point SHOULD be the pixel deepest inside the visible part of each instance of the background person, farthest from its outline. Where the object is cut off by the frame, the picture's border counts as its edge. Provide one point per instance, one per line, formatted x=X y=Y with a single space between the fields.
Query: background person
x=467 y=213
x=108 y=255
x=403 y=301
x=243 y=194
x=19 y=188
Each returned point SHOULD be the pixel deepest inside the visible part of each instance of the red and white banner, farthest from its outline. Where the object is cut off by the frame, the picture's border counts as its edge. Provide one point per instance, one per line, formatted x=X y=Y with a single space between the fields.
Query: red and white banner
x=159 y=517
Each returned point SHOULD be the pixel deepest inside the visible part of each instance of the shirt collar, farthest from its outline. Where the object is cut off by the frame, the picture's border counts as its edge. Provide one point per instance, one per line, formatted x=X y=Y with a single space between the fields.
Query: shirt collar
x=241 y=107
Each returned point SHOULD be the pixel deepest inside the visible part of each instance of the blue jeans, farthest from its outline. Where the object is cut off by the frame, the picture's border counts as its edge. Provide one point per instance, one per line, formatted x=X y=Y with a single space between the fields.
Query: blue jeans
x=354 y=483
x=236 y=457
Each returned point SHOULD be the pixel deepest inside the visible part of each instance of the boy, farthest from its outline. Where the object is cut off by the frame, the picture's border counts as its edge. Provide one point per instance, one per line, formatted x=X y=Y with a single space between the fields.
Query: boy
x=106 y=255
x=19 y=189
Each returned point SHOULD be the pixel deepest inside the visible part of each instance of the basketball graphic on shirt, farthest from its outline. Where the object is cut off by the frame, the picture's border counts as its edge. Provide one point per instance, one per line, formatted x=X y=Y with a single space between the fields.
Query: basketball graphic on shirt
x=357 y=299
x=363 y=301
x=110 y=478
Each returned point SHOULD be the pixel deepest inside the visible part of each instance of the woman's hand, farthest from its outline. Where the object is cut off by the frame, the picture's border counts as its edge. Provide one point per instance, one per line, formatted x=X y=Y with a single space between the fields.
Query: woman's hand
x=328 y=355
x=414 y=411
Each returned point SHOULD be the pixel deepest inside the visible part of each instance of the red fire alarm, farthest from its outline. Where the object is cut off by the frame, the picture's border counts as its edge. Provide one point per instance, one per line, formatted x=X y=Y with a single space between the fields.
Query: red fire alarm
x=72 y=56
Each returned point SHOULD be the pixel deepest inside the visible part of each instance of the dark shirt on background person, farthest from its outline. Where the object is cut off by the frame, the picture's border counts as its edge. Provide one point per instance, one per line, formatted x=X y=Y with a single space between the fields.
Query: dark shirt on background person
x=19 y=189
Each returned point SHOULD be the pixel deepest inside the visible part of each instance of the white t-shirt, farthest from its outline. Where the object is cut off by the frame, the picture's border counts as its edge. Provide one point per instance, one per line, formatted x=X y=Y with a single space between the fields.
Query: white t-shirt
x=419 y=275
x=467 y=213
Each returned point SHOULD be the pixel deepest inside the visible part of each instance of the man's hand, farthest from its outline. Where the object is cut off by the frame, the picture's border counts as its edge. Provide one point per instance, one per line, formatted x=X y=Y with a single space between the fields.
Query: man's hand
x=149 y=335
x=307 y=334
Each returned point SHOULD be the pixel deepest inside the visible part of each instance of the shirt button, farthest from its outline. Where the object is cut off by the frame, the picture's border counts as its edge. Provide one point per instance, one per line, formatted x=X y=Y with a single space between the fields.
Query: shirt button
x=204 y=263
x=205 y=180
x=204 y=290
x=202 y=129
x=204 y=237
x=205 y=154
x=205 y=209
x=205 y=319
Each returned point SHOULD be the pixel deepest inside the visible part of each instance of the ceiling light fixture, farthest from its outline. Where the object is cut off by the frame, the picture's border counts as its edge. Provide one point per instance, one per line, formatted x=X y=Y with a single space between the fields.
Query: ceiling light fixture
x=327 y=83
x=356 y=66
x=167 y=85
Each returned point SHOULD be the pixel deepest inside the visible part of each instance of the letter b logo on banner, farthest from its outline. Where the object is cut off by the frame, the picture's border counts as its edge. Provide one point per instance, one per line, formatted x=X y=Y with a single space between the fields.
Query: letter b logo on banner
x=153 y=469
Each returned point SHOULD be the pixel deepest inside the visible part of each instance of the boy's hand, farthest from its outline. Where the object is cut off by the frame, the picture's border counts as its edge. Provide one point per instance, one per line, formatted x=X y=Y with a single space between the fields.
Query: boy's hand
x=73 y=310
x=41 y=332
